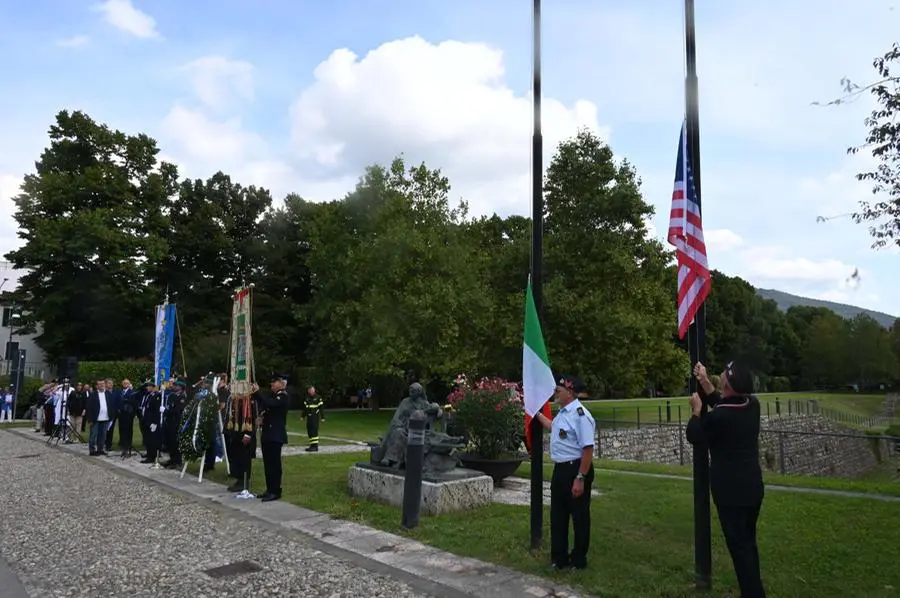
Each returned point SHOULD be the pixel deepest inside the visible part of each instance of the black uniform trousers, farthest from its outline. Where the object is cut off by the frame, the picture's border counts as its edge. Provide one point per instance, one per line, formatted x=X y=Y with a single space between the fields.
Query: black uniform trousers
x=739 y=528
x=271 y=454
x=126 y=430
x=564 y=506
x=312 y=428
x=241 y=459
x=109 y=434
x=171 y=437
x=152 y=441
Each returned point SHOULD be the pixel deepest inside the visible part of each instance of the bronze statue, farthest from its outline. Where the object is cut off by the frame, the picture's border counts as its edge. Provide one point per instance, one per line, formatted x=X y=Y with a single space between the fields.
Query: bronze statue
x=439 y=446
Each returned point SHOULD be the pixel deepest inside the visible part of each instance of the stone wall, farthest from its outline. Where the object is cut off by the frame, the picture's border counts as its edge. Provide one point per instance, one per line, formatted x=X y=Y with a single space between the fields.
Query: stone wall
x=789 y=444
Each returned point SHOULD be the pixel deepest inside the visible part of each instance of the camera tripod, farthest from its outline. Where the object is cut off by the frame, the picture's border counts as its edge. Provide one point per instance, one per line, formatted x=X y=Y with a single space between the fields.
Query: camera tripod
x=63 y=429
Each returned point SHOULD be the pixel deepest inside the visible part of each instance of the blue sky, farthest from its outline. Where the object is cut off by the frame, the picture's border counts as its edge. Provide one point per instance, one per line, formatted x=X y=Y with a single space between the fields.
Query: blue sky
x=299 y=96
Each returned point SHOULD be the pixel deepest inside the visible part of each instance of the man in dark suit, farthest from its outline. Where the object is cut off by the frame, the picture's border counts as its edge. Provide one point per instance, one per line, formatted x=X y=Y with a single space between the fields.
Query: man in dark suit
x=273 y=415
x=99 y=413
x=731 y=431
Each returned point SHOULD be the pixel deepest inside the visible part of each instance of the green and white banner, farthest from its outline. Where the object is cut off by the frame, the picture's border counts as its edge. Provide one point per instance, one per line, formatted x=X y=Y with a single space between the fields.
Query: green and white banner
x=241 y=344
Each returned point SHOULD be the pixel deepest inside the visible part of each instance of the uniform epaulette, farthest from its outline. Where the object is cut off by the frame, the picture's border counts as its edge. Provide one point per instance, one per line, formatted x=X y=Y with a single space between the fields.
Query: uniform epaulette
x=580 y=411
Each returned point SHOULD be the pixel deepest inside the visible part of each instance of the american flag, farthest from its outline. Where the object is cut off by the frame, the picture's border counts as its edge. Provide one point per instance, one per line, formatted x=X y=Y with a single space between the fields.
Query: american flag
x=686 y=234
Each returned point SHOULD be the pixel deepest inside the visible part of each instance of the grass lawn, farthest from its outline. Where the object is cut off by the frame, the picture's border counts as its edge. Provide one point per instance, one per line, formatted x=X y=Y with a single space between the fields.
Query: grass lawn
x=883 y=480
x=360 y=424
x=811 y=545
x=630 y=411
x=363 y=424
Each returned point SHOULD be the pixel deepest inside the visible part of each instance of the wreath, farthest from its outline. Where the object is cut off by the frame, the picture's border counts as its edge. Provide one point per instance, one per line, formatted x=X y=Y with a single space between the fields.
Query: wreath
x=205 y=428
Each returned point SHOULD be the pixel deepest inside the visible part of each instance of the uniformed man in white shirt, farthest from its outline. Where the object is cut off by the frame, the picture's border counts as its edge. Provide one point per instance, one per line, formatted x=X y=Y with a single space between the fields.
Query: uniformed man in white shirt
x=572 y=437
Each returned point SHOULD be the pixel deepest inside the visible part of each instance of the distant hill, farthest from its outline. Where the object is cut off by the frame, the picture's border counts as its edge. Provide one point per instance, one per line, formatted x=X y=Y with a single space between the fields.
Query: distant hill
x=785 y=301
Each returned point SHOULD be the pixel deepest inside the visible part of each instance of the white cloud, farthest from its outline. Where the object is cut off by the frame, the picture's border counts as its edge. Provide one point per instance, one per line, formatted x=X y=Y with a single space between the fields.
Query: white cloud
x=76 y=41
x=123 y=15
x=217 y=80
x=720 y=240
x=448 y=104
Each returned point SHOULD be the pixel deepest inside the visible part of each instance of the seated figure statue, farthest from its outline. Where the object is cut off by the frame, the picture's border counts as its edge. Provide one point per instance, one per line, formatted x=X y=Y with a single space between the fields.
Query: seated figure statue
x=439 y=446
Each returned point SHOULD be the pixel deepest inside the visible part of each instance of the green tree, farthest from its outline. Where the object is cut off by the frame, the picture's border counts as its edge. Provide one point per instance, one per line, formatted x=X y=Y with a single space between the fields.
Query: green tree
x=215 y=244
x=883 y=140
x=92 y=217
x=869 y=354
x=824 y=360
x=394 y=290
x=609 y=313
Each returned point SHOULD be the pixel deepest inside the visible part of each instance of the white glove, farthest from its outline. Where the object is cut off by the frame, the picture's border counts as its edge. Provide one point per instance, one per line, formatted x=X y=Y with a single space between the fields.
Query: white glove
x=153 y=427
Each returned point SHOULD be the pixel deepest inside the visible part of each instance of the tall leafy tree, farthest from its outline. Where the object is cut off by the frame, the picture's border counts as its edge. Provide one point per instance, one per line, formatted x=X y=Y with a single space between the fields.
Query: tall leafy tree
x=883 y=140
x=215 y=243
x=393 y=287
x=92 y=216
x=609 y=312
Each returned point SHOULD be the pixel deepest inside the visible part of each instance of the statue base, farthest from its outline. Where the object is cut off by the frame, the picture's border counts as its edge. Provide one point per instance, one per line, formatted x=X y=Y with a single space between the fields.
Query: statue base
x=456 y=490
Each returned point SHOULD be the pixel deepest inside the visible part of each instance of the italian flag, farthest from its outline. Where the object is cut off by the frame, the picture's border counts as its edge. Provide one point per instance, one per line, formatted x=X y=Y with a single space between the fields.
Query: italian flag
x=538 y=383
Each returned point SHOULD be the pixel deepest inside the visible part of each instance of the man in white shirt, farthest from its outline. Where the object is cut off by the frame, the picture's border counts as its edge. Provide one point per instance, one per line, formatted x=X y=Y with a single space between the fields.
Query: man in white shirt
x=99 y=409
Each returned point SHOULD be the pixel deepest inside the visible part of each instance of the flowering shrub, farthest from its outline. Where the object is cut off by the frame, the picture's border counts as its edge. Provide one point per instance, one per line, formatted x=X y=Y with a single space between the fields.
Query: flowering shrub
x=490 y=413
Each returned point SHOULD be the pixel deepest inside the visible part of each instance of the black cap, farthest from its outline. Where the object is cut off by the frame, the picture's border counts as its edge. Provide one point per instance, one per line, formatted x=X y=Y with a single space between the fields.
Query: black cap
x=571 y=382
x=277 y=377
x=740 y=378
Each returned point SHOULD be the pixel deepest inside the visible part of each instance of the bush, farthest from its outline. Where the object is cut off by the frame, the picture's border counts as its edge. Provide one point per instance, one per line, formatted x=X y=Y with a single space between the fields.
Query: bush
x=490 y=413
x=136 y=371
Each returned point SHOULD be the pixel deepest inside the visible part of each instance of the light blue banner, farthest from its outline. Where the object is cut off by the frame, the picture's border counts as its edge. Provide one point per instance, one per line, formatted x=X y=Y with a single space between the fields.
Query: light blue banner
x=165 y=341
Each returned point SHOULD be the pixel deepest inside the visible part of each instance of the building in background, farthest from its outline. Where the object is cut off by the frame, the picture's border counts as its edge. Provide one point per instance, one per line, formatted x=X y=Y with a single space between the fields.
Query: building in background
x=35 y=366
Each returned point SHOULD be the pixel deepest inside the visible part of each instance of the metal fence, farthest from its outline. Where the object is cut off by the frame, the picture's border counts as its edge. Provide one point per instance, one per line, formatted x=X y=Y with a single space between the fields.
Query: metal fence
x=798 y=444
x=678 y=412
x=32 y=369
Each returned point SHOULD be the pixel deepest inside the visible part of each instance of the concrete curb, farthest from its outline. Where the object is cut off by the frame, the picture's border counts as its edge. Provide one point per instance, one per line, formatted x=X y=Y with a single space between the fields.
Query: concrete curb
x=10 y=586
x=423 y=567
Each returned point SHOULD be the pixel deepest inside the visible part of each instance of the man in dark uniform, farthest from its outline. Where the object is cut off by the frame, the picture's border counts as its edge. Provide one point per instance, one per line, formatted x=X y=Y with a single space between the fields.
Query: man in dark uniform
x=731 y=431
x=572 y=434
x=273 y=415
x=128 y=408
x=312 y=410
x=224 y=395
x=241 y=439
x=151 y=421
x=178 y=401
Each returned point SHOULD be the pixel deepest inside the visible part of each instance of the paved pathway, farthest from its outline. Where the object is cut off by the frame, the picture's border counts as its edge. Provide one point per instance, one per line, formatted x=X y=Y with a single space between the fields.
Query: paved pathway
x=155 y=535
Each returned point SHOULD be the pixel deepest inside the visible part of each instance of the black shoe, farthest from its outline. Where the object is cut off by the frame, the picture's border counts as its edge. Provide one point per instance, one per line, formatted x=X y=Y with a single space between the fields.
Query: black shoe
x=264 y=495
x=271 y=497
x=312 y=449
x=236 y=488
x=560 y=566
x=578 y=567
x=92 y=453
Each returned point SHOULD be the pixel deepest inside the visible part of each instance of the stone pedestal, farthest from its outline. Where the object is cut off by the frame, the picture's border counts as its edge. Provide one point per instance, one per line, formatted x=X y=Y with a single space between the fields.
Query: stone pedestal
x=456 y=490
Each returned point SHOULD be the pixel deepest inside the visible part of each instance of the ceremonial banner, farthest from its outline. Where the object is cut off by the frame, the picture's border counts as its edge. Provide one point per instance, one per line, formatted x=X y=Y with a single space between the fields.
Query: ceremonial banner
x=165 y=341
x=241 y=344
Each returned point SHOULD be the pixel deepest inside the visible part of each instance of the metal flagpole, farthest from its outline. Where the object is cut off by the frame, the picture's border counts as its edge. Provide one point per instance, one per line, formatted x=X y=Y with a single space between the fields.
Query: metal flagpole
x=697 y=331
x=537 y=277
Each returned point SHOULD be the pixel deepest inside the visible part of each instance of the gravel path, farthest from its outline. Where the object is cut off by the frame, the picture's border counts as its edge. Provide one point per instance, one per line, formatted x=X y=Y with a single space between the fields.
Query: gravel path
x=70 y=527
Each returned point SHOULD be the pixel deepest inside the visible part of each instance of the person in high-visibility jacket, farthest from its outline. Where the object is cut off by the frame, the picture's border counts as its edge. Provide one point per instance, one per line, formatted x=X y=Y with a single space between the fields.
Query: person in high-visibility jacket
x=313 y=408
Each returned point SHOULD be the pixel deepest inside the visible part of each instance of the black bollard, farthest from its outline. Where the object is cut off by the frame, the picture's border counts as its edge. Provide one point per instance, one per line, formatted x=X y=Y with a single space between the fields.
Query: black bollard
x=668 y=411
x=412 y=483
